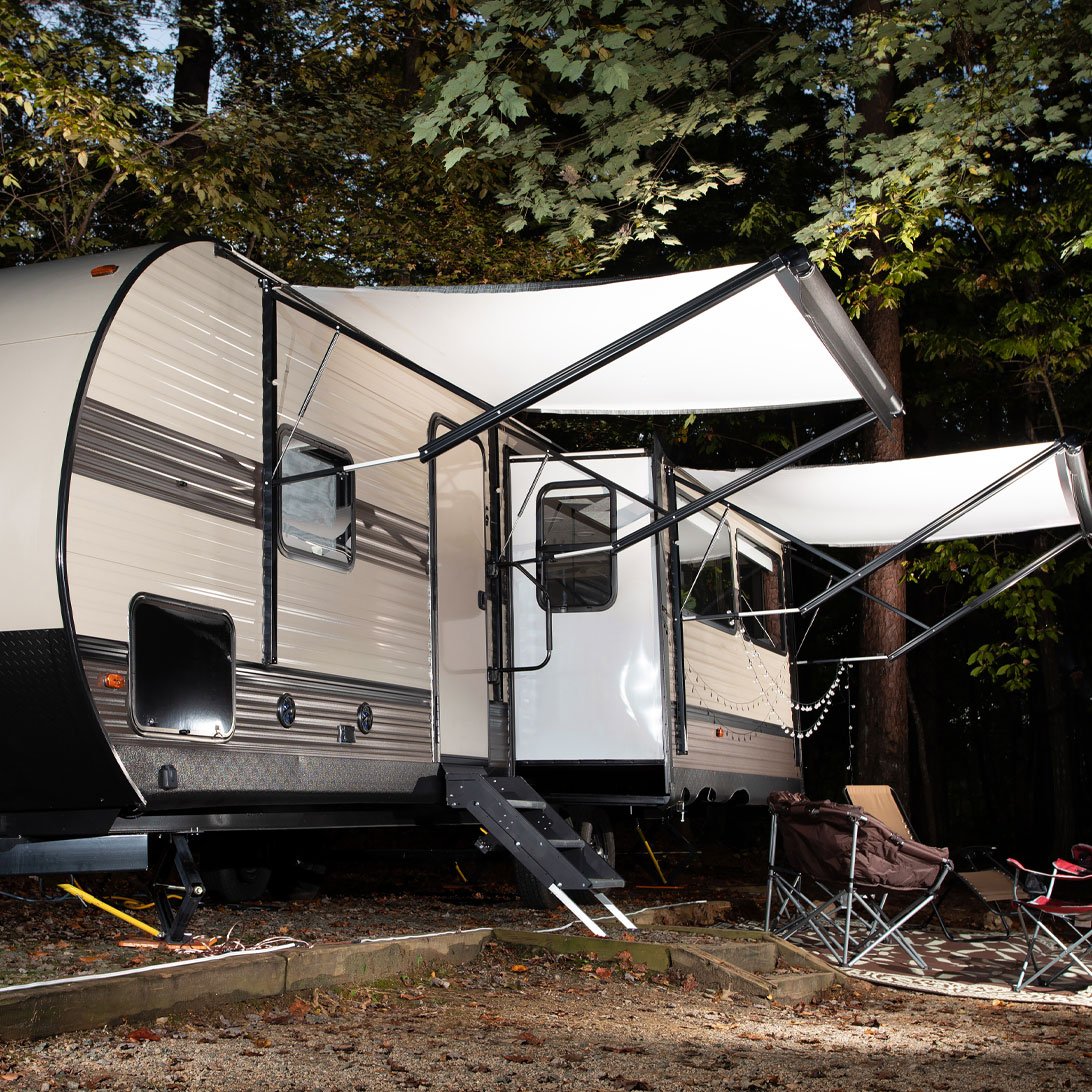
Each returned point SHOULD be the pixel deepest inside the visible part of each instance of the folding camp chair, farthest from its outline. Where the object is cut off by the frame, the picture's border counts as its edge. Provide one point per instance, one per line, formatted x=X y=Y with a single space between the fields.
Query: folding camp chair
x=1058 y=930
x=975 y=866
x=854 y=862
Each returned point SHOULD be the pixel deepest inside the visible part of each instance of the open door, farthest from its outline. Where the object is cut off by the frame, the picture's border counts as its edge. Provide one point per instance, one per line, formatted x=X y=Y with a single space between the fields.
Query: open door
x=599 y=699
x=460 y=620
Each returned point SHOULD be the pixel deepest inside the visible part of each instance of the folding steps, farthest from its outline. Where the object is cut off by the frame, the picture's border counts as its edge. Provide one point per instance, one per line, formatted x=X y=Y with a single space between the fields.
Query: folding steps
x=518 y=819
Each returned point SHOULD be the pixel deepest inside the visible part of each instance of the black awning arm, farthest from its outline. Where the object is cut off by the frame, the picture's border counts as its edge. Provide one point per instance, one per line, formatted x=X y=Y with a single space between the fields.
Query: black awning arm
x=756 y=475
x=791 y=265
x=822 y=555
x=857 y=589
x=986 y=596
x=931 y=528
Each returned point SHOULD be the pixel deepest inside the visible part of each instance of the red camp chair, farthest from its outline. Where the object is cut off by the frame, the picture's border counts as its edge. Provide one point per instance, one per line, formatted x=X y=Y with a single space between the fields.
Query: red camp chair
x=1058 y=930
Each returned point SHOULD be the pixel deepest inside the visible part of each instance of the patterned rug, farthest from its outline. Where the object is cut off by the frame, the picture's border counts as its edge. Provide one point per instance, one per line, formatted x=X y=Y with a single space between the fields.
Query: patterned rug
x=977 y=965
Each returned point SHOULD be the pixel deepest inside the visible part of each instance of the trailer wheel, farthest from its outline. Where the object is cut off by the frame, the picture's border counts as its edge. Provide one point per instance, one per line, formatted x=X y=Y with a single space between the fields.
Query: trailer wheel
x=231 y=884
x=594 y=826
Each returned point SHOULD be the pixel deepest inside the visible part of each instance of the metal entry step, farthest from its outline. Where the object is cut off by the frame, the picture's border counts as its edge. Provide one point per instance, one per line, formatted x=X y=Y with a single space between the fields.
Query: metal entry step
x=537 y=837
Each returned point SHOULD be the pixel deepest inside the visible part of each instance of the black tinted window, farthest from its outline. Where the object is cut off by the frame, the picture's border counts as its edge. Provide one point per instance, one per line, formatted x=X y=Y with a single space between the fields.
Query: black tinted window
x=577 y=520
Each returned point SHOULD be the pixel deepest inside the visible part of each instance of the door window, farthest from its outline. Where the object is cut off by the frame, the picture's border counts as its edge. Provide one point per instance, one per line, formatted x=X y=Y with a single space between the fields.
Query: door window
x=577 y=518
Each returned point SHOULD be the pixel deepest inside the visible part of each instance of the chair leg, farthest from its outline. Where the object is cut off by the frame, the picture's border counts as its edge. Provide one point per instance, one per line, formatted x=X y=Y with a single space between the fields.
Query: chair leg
x=1067 y=953
x=891 y=930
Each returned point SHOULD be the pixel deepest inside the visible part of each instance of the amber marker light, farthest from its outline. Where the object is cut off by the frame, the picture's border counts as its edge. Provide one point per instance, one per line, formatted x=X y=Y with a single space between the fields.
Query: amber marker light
x=103 y=270
x=113 y=680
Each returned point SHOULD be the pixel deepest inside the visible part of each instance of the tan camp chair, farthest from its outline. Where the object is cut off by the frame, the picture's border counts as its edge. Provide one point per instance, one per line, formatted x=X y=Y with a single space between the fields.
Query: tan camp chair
x=975 y=865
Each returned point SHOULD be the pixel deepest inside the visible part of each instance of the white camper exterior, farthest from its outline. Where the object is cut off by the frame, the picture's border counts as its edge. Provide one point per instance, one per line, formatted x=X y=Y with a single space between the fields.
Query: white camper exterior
x=215 y=617
x=133 y=477
x=191 y=642
x=653 y=691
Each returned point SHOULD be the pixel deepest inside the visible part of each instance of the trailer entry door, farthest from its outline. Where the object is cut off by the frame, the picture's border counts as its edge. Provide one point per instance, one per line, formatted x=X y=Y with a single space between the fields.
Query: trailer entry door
x=600 y=697
x=460 y=620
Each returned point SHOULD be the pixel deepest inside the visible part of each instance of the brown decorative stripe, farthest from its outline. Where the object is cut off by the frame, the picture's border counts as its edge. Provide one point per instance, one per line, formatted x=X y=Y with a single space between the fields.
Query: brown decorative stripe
x=402 y=720
x=121 y=449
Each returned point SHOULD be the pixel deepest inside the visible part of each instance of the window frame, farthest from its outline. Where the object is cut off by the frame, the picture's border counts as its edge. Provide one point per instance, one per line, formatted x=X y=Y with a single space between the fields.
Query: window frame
x=577 y=489
x=764 y=640
x=729 y=623
x=335 y=453
x=136 y=699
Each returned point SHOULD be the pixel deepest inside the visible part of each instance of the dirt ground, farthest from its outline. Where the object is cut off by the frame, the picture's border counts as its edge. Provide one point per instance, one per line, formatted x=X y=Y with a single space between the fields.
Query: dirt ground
x=513 y=1020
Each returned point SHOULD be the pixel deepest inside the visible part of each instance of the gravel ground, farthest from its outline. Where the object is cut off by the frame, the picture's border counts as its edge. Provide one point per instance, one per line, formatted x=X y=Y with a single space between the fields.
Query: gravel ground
x=562 y=1023
x=545 y=1022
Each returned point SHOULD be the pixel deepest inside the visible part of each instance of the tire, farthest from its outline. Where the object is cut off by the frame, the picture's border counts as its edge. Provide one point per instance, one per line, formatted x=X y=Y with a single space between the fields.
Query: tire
x=237 y=883
x=594 y=826
x=235 y=867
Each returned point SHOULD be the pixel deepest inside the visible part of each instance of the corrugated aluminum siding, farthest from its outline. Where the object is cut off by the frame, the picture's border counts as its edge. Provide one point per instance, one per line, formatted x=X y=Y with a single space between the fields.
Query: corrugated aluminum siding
x=744 y=689
x=374 y=620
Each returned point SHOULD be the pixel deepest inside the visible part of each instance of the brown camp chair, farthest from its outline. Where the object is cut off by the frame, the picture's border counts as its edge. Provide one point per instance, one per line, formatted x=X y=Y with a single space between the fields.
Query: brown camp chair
x=975 y=866
x=834 y=872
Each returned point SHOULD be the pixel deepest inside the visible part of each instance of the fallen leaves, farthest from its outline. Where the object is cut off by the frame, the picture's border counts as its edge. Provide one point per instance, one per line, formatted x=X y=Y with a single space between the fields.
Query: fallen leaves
x=143 y=1035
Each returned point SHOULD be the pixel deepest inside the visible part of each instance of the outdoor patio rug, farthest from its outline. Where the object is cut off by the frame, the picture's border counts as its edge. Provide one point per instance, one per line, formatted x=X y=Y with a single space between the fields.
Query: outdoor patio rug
x=975 y=965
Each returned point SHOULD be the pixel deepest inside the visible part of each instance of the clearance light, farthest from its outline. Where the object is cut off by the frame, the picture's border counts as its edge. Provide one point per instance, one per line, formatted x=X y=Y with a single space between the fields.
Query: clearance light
x=112 y=680
x=103 y=270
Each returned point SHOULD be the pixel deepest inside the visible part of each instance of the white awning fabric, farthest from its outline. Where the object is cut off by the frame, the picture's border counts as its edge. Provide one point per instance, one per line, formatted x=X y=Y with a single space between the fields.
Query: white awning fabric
x=755 y=350
x=875 y=504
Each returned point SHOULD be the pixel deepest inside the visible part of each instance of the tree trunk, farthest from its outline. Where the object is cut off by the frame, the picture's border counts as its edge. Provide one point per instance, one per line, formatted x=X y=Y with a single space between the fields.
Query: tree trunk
x=884 y=736
x=193 y=72
x=1055 y=693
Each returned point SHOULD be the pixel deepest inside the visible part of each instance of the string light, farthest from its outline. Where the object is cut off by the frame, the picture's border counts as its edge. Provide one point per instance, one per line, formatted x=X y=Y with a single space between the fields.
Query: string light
x=822 y=705
x=849 y=729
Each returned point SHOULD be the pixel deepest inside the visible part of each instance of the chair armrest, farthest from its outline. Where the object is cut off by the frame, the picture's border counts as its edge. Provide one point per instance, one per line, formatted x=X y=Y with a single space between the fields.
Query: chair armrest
x=1071 y=871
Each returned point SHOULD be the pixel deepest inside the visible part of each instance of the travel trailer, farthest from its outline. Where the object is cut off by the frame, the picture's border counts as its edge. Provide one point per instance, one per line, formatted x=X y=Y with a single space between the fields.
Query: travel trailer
x=282 y=558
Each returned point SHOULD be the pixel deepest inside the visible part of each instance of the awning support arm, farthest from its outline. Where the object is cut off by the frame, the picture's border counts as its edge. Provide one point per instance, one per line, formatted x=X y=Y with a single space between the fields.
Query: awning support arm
x=307 y=398
x=827 y=559
x=931 y=528
x=863 y=592
x=756 y=475
x=986 y=596
x=794 y=259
